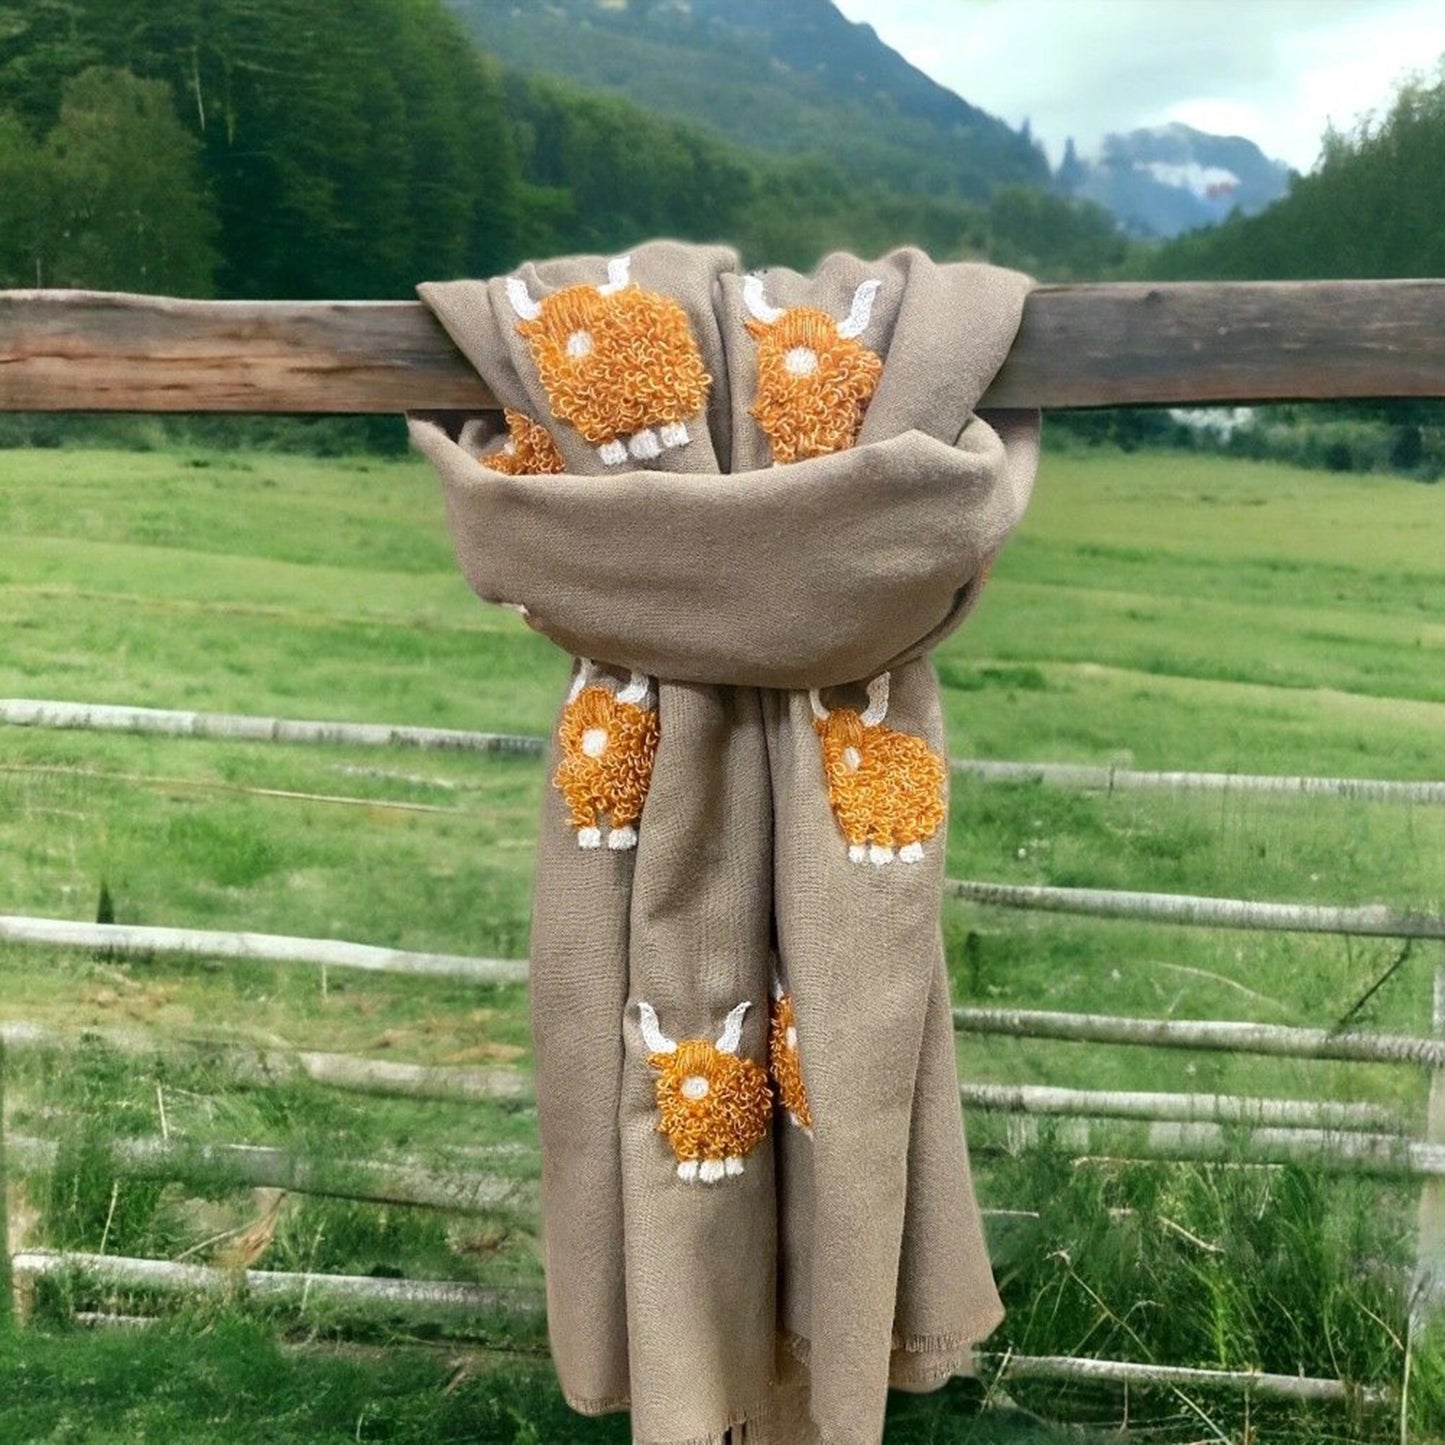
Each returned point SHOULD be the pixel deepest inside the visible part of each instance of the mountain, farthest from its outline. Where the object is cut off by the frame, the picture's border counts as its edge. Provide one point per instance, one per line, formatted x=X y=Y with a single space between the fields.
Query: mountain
x=1165 y=180
x=793 y=77
x=1371 y=207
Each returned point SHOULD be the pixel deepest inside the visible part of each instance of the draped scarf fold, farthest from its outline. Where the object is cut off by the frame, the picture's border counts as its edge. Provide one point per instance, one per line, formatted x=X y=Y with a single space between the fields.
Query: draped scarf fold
x=749 y=506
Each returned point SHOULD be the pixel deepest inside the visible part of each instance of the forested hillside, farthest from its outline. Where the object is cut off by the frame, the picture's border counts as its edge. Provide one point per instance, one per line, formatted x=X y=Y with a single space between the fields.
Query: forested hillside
x=790 y=77
x=298 y=148
x=282 y=147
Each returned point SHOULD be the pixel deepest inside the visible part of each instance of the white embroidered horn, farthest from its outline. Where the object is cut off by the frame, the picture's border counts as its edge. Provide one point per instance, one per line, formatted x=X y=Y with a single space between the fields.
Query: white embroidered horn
x=877 y=708
x=815 y=701
x=732 y=1034
x=584 y=676
x=857 y=319
x=521 y=299
x=757 y=303
x=652 y=1035
x=619 y=270
x=636 y=690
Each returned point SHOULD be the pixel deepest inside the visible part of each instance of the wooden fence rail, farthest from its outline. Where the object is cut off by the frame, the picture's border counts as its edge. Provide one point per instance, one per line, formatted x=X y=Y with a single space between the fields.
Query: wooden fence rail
x=1223 y=1035
x=1371 y=921
x=411 y=1297
x=110 y=717
x=248 y=1065
x=145 y=939
x=247 y=1062
x=1188 y=1108
x=463 y=1303
x=171 y=722
x=126 y=938
x=1122 y=780
x=261 y=1166
x=1118 y=344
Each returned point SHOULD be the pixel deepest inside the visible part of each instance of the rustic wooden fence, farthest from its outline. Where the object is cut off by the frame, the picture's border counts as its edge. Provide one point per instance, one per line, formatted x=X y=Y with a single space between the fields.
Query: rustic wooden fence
x=1079 y=346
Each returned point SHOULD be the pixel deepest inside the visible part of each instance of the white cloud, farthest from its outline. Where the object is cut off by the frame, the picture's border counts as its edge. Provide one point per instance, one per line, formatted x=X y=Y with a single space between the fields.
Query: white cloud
x=1277 y=71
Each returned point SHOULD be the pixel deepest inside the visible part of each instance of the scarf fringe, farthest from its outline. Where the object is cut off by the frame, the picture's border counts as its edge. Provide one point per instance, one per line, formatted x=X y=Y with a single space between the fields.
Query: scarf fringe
x=957 y=1347
x=758 y=1416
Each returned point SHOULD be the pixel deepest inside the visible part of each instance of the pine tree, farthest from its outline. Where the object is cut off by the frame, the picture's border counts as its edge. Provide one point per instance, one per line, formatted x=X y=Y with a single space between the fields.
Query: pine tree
x=133 y=211
x=1072 y=171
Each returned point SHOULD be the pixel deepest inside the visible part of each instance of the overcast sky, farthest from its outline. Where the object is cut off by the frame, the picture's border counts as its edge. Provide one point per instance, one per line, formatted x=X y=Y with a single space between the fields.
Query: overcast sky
x=1275 y=71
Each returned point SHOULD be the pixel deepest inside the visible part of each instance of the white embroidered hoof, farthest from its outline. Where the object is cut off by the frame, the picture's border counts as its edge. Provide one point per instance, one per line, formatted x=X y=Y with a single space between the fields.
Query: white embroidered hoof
x=687 y=1171
x=878 y=857
x=645 y=445
x=857 y=853
x=674 y=434
x=621 y=839
x=710 y=1171
x=911 y=853
x=612 y=453
x=732 y=1165
x=589 y=837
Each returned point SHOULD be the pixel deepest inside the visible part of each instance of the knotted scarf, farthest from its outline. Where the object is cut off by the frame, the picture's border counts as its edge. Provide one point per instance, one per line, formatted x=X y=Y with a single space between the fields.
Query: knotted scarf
x=748 y=505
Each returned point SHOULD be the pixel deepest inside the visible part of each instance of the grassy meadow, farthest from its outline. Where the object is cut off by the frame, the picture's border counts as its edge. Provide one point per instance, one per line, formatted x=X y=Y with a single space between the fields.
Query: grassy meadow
x=1155 y=611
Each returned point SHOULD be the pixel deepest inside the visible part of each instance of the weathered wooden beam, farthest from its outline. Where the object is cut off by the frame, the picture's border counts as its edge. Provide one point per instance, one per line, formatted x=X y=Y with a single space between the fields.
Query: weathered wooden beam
x=255 y=947
x=402 y=1296
x=391 y=1077
x=1118 y=344
x=241 y=727
x=109 y=351
x=1110 y=780
x=1166 y=1377
x=1370 y=921
x=261 y=1166
x=1178 y=1108
x=1196 y=342
x=113 y=717
x=258 y=1066
x=1098 y=1137
x=7 y=1291
x=1429 y=1282
x=1222 y=1035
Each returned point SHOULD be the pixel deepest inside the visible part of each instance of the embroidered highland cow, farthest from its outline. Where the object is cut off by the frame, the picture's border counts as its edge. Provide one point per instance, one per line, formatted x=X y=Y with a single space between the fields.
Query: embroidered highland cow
x=815 y=378
x=712 y=1105
x=887 y=788
x=608 y=745
x=529 y=450
x=784 y=1063
x=618 y=363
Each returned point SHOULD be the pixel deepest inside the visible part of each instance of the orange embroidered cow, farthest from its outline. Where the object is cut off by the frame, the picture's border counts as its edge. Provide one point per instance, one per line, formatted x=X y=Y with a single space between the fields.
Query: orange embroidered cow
x=887 y=788
x=529 y=450
x=608 y=745
x=784 y=1061
x=815 y=378
x=618 y=363
x=712 y=1105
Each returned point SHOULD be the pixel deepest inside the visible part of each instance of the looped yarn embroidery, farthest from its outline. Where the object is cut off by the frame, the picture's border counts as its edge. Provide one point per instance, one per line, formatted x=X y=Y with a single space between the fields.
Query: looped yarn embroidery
x=756 y=501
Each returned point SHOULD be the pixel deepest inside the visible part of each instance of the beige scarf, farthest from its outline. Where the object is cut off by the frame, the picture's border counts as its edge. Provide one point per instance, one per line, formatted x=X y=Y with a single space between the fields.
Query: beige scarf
x=754 y=503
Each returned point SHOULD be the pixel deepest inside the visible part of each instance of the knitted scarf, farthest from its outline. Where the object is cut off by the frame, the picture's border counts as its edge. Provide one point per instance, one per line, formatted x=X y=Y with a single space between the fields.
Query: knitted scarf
x=749 y=505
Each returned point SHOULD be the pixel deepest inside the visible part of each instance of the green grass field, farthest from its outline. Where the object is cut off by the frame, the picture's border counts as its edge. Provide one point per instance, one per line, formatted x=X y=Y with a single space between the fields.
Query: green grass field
x=1155 y=611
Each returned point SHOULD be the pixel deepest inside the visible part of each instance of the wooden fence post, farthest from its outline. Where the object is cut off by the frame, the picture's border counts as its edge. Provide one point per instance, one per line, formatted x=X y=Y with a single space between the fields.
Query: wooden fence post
x=1430 y=1233
x=7 y=1295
